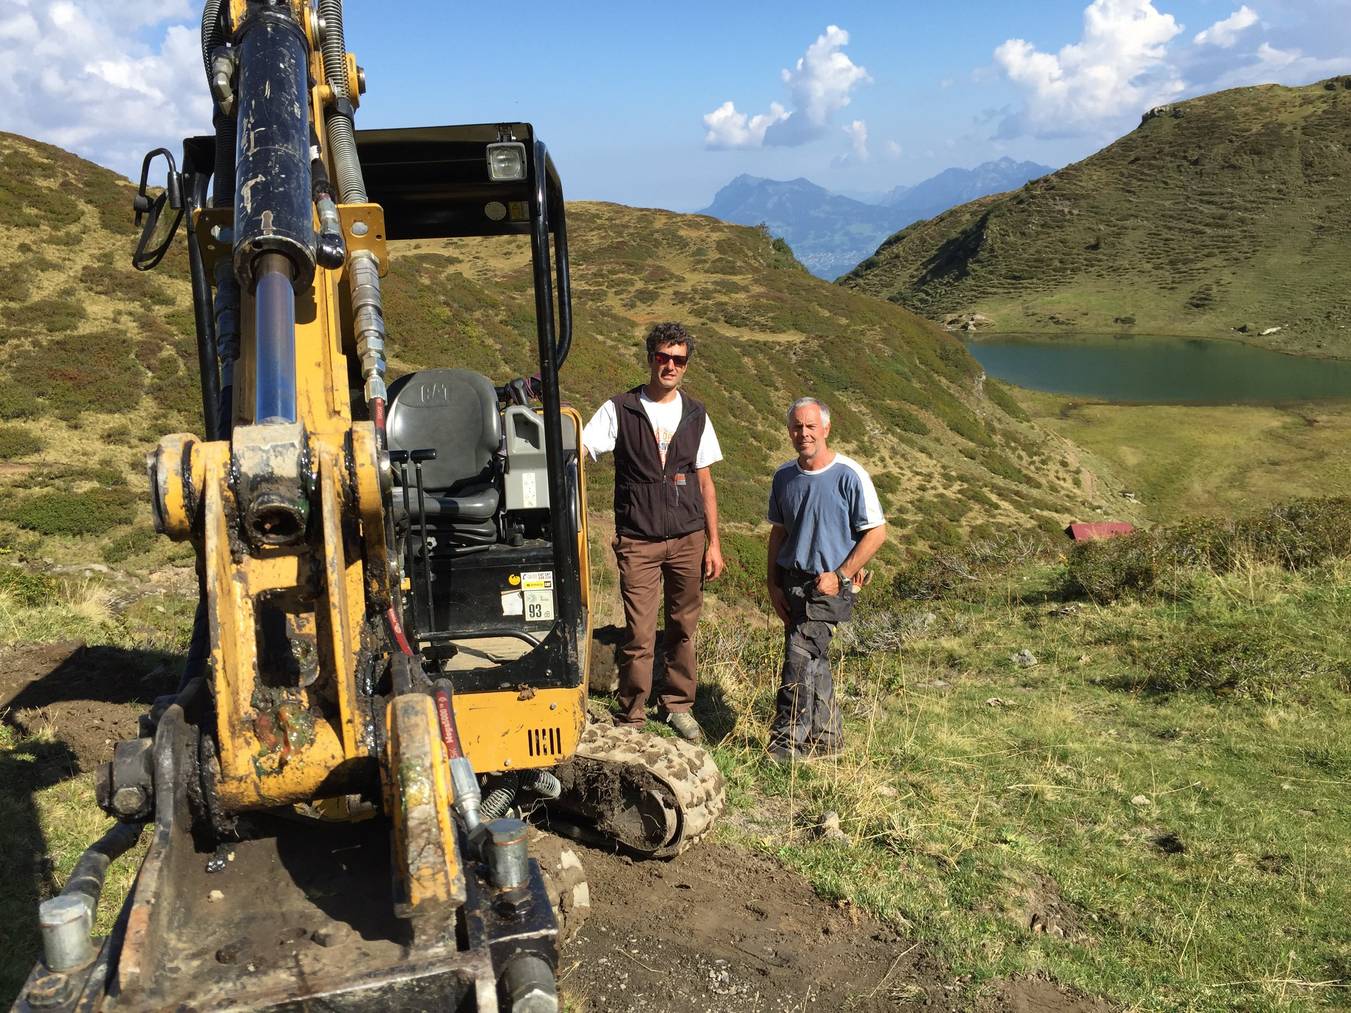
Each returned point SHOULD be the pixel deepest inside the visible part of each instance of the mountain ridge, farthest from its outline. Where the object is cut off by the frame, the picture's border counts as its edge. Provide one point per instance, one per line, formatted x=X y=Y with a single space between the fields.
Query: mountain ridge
x=1221 y=216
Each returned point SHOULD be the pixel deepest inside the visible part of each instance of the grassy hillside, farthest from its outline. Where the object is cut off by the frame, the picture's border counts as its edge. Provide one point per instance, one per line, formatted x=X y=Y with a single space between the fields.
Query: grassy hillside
x=949 y=454
x=98 y=361
x=1226 y=215
x=1180 y=460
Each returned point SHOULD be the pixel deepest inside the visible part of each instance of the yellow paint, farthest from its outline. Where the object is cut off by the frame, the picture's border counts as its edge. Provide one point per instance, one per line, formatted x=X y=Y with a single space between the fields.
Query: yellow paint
x=495 y=727
x=418 y=796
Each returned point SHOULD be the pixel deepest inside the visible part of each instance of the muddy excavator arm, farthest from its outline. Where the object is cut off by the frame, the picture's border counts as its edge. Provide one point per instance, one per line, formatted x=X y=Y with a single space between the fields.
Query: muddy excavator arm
x=390 y=654
x=314 y=788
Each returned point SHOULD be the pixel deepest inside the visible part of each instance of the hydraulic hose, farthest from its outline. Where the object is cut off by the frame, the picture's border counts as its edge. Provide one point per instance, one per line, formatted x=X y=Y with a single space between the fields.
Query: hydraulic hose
x=467 y=797
x=213 y=32
x=342 y=143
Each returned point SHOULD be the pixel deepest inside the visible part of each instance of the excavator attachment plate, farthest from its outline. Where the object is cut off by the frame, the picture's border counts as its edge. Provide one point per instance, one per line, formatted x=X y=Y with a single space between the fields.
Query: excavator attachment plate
x=299 y=914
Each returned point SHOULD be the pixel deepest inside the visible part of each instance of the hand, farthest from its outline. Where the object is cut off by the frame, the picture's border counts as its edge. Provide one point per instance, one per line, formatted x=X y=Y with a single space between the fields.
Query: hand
x=828 y=583
x=780 y=602
x=713 y=564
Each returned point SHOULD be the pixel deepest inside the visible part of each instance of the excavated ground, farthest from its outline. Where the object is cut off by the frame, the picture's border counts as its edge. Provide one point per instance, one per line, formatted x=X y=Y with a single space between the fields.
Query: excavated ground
x=717 y=929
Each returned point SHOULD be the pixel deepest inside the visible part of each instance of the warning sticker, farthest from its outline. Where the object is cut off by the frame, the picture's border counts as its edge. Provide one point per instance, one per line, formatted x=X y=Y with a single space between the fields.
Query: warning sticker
x=539 y=605
x=512 y=604
x=535 y=580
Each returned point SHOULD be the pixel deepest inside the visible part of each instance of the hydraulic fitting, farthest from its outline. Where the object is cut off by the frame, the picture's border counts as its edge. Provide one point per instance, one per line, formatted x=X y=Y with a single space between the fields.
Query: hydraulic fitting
x=67 y=941
x=369 y=316
x=530 y=985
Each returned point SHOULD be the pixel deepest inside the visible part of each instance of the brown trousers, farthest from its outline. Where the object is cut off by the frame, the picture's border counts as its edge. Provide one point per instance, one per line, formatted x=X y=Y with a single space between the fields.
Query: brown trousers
x=677 y=564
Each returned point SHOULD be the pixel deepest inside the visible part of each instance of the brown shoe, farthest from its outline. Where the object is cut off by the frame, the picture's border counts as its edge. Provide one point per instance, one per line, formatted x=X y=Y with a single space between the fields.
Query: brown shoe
x=685 y=726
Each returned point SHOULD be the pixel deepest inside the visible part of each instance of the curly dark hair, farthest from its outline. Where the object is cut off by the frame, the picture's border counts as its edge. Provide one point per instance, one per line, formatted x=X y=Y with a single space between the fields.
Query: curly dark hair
x=669 y=334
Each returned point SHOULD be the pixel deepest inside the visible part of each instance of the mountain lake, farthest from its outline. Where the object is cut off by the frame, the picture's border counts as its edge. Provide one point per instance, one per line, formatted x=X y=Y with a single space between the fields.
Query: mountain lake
x=1161 y=370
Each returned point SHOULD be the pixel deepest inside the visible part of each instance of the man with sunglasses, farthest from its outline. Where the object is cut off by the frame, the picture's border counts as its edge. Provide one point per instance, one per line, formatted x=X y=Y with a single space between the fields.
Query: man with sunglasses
x=666 y=524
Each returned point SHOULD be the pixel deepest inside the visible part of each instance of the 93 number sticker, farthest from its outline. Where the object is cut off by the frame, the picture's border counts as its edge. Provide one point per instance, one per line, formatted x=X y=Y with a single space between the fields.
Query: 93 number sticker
x=539 y=605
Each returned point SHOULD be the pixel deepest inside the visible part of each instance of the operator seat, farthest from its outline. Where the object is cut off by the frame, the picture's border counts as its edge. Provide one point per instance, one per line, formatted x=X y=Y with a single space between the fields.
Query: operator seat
x=454 y=412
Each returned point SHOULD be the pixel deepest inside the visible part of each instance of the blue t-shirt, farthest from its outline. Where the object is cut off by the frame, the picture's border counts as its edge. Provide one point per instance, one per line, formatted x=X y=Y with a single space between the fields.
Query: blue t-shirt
x=824 y=512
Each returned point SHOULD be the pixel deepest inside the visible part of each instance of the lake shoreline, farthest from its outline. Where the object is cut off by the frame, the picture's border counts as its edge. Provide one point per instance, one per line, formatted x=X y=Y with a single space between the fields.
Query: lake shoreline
x=1152 y=369
x=1247 y=340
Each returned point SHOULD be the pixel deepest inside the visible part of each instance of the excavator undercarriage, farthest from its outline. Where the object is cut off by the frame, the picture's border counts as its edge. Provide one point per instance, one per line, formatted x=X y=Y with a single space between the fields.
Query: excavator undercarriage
x=389 y=662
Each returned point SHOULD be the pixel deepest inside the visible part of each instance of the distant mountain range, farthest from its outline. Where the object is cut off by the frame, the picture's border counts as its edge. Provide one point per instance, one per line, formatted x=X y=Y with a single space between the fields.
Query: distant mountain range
x=830 y=233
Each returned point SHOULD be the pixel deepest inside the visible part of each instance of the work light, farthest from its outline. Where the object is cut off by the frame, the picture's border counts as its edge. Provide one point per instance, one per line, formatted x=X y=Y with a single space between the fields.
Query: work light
x=506 y=161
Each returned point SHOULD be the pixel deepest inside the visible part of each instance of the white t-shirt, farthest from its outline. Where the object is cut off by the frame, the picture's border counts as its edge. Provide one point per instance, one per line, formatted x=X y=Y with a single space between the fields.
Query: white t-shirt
x=602 y=432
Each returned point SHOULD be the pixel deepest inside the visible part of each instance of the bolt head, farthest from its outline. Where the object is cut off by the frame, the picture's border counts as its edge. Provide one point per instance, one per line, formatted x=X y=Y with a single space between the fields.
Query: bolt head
x=129 y=800
x=537 y=1000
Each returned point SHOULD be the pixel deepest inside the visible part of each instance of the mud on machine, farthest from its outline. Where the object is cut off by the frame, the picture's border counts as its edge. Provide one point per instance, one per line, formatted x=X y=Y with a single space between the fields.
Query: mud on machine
x=392 y=638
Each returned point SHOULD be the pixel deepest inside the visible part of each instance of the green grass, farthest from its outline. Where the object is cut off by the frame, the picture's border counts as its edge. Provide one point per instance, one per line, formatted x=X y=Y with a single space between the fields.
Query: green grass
x=1190 y=844
x=1224 y=221
x=1198 y=460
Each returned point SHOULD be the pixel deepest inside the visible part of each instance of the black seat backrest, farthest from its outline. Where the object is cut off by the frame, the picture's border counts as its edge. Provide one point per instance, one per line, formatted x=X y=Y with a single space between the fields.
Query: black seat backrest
x=453 y=411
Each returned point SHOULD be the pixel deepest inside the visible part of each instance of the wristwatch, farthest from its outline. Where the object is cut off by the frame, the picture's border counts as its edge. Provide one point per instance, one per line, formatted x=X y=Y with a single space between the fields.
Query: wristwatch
x=844 y=580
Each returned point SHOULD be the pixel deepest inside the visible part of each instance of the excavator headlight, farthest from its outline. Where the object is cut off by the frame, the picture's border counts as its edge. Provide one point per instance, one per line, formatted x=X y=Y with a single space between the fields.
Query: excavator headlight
x=506 y=161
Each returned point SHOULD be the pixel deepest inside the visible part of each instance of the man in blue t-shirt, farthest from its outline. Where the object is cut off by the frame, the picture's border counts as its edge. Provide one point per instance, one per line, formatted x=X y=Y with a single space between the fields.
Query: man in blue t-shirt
x=827 y=523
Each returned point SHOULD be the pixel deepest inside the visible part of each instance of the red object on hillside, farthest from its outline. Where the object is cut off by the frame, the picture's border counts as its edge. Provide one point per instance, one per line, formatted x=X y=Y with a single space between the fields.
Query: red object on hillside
x=1097 y=530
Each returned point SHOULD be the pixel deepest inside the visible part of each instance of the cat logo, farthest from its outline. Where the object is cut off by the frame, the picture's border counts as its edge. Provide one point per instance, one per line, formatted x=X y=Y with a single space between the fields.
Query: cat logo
x=433 y=394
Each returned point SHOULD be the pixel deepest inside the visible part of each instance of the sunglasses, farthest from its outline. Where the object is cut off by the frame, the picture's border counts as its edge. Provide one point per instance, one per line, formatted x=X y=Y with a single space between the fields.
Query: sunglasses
x=662 y=358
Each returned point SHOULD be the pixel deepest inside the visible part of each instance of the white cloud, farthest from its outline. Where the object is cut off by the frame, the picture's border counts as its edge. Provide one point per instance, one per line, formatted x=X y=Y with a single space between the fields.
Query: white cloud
x=858 y=138
x=107 y=81
x=1225 y=33
x=728 y=128
x=1118 y=67
x=893 y=149
x=819 y=85
x=1270 y=65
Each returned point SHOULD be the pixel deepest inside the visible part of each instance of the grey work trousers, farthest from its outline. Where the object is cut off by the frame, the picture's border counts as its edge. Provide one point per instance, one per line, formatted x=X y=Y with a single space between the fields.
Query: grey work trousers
x=805 y=712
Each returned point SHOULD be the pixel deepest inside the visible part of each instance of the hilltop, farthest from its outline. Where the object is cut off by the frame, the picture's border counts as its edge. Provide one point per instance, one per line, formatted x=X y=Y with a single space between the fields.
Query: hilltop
x=1222 y=216
x=830 y=232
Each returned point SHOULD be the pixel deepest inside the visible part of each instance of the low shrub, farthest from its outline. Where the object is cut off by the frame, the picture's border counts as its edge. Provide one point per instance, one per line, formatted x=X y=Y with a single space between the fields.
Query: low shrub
x=999 y=395
x=28 y=588
x=1295 y=535
x=16 y=401
x=133 y=543
x=1226 y=660
x=16 y=441
x=54 y=315
x=54 y=512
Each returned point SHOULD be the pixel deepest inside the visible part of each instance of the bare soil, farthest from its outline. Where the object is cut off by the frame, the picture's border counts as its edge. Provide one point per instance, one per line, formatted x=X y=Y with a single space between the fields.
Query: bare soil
x=86 y=697
x=716 y=929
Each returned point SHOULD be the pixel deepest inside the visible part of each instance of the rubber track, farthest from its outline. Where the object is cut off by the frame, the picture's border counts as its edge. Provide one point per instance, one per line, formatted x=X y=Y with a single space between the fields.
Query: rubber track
x=692 y=782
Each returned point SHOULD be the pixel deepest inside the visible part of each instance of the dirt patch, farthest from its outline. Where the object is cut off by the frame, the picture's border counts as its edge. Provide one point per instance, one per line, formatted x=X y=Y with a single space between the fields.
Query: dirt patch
x=1037 y=995
x=720 y=929
x=87 y=697
x=1045 y=910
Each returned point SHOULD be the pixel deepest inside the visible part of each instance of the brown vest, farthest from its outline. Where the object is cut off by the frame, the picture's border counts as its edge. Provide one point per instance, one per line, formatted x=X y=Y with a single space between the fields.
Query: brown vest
x=652 y=501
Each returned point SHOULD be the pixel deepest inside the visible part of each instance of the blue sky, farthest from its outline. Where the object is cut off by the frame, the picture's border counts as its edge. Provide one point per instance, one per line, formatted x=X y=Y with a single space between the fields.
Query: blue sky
x=661 y=105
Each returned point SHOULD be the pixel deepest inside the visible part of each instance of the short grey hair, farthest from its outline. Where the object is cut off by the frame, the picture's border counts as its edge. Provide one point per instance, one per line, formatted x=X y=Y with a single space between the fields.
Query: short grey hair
x=803 y=402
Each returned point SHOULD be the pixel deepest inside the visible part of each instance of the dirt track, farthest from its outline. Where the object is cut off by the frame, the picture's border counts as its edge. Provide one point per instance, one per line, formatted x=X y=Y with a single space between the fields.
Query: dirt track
x=718 y=929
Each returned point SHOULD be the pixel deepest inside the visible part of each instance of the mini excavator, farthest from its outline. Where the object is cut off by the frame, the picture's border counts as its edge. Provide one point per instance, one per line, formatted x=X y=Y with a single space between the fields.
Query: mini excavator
x=389 y=665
